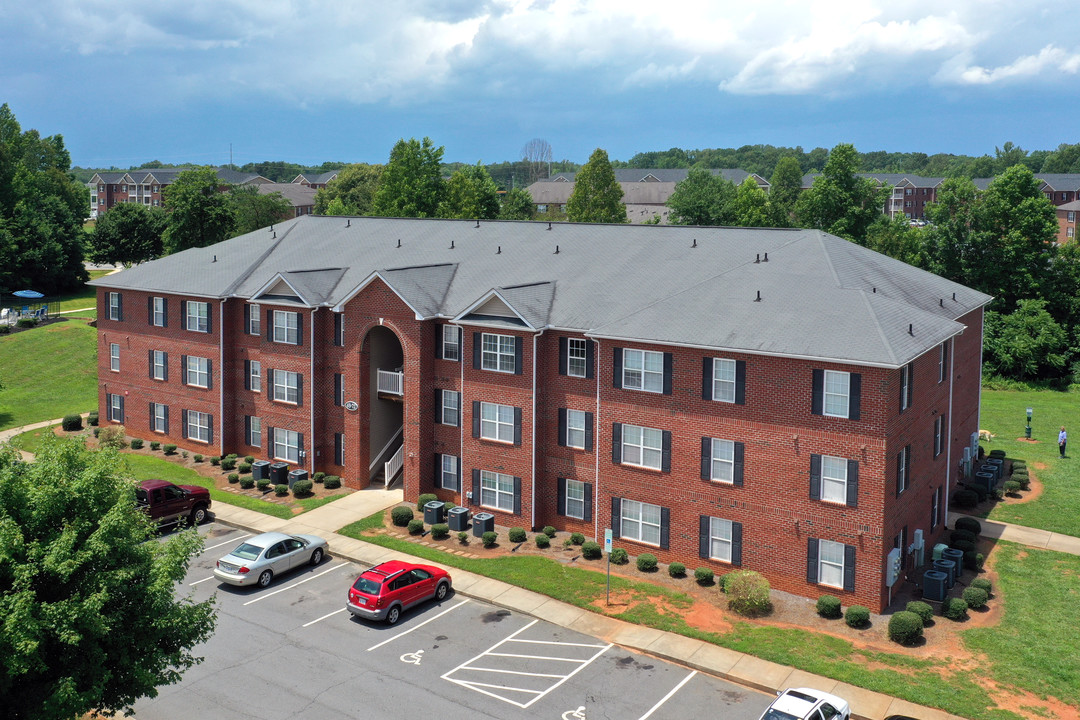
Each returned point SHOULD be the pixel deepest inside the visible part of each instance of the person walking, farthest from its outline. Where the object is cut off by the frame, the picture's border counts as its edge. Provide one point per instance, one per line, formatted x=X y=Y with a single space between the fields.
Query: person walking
x=1062 y=439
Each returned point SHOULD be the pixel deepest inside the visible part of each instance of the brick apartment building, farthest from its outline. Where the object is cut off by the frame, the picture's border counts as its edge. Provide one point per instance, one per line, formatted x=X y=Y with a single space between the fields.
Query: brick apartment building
x=146 y=186
x=777 y=400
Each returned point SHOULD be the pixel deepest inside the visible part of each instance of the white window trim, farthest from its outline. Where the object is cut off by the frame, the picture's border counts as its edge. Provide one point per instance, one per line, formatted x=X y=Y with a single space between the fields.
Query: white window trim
x=825 y=394
x=282 y=383
x=199 y=312
x=905 y=387
x=902 y=472
x=450 y=334
x=639 y=520
x=254 y=319
x=939 y=435
x=641 y=447
x=719 y=444
x=495 y=479
x=941 y=361
x=499 y=354
x=198 y=425
x=159 y=312
x=254 y=437
x=255 y=375
x=281 y=325
x=288 y=440
x=577 y=350
x=719 y=382
x=160 y=368
x=717 y=526
x=644 y=373
x=196 y=367
x=823 y=563
x=839 y=481
x=450 y=403
x=935 y=508
x=114 y=357
x=572 y=428
x=115 y=411
x=114 y=306
x=497 y=424
x=159 y=414
x=576 y=500
x=453 y=472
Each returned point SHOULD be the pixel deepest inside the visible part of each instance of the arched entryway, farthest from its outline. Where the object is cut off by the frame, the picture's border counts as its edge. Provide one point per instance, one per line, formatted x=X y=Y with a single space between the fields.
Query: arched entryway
x=386 y=404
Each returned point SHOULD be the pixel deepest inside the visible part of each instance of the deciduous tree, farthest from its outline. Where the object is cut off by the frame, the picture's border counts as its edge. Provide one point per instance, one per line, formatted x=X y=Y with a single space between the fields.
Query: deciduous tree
x=703 y=198
x=1026 y=342
x=128 y=233
x=354 y=189
x=199 y=213
x=517 y=204
x=254 y=210
x=470 y=194
x=411 y=184
x=751 y=206
x=537 y=156
x=597 y=196
x=784 y=187
x=840 y=202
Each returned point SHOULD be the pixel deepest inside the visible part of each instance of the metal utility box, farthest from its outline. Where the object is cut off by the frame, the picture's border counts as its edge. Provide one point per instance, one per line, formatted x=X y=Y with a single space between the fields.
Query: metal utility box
x=949 y=568
x=934 y=585
x=459 y=518
x=279 y=473
x=938 y=549
x=296 y=475
x=260 y=470
x=434 y=512
x=482 y=522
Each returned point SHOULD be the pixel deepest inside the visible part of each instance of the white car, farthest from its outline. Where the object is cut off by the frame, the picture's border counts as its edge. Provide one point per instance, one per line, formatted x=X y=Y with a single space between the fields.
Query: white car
x=259 y=559
x=807 y=704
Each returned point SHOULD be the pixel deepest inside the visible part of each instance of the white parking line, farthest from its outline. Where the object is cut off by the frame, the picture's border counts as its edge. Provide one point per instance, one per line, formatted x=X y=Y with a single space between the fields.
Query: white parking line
x=401 y=634
x=200 y=581
x=339 y=610
x=290 y=587
x=231 y=540
x=667 y=697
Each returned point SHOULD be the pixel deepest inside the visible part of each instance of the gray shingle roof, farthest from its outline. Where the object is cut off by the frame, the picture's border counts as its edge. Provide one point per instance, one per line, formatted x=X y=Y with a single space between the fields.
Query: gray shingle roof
x=822 y=296
x=665 y=175
x=297 y=195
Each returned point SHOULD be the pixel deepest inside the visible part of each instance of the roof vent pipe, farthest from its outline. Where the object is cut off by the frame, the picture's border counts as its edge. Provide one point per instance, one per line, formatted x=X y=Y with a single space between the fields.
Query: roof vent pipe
x=941 y=302
x=954 y=297
x=874 y=290
x=215 y=259
x=499 y=251
x=275 y=235
x=451 y=244
x=549 y=226
x=348 y=223
x=695 y=243
x=911 y=330
x=758 y=298
x=477 y=222
x=399 y=242
x=271 y=227
x=556 y=249
x=757 y=259
x=766 y=258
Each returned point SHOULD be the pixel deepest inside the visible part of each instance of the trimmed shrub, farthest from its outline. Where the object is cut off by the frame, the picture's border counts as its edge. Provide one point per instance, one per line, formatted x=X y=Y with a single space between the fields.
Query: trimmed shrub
x=136 y=443
x=923 y=610
x=619 y=556
x=262 y=483
x=332 y=482
x=440 y=531
x=215 y=460
x=318 y=477
x=676 y=570
x=975 y=597
x=416 y=526
x=542 y=540
x=965 y=499
x=96 y=431
x=401 y=516
x=981 y=493
x=857 y=616
x=183 y=454
x=489 y=538
x=963 y=545
x=92 y=420
x=243 y=468
x=197 y=458
x=704 y=576
x=974 y=560
x=828 y=606
x=549 y=530
x=234 y=478
x=647 y=562
x=112 y=436
x=26 y=322
x=721 y=581
x=155 y=445
x=72 y=422
x=954 y=609
x=5 y=329
x=517 y=535
x=231 y=456
x=463 y=537
x=748 y=593
x=247 y=483
x=970 y=524
x=983 y=584
x=905 y=627
x=965 y=535
x=301 y=488
x=1012 y=487
x=249 y=459
x=228 y=463
x=591 y=550
x=169 y=449
x=577 y=538
x=1025 y=482
x=424 y=499
x=281 y=490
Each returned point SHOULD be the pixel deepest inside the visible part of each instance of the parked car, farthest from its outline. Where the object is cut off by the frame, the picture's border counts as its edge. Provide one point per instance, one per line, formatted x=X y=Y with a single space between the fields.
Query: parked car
x=167 y=503
x=384 y=591
x=259 y=559
x=807 y=704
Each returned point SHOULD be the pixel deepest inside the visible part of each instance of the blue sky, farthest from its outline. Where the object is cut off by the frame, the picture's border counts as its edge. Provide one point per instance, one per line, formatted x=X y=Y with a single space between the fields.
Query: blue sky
x=307 y=81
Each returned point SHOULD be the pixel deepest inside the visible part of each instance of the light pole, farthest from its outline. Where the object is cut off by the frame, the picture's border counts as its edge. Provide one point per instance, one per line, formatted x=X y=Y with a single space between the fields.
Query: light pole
x=1027 y=430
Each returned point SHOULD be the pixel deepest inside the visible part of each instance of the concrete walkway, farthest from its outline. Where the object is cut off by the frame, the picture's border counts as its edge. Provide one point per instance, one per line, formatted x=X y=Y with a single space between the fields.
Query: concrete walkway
x=1032 y=537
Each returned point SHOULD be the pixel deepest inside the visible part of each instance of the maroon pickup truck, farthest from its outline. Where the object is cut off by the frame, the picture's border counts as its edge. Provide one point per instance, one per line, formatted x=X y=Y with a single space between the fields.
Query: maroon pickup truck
x=167 y=503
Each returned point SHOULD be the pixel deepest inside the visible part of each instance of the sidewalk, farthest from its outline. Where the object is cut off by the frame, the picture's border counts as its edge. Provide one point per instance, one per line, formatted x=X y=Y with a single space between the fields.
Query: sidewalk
x=1024 y=535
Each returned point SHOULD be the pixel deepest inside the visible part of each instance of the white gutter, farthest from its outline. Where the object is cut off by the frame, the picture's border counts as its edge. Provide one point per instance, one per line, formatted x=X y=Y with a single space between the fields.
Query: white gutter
x=461 y=421
x=596 y=445
x=532 y=483
x=948 y=437
x=311 y=391
x=221 y=372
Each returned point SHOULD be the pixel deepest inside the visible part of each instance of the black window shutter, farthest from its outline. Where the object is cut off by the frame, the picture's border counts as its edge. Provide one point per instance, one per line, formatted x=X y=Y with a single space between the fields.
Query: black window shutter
x=616 y=443
x=166 y=419
x=269 y=384
x=560 y=503
x=153 y=425
x=247 y=319
x=669 y=361
x=564 y=349
x=460 y=345
x=299 y=329
x=339 y=449
x=460 y=410
x=740 y=382
x=339 y=380
x=588 y=503
x=665 y=528
x=588 y=432
x=849 y=568
x=737 y=470
x=911 y=383
x=475 y=487
x=706 y=458
x=518 y=343
x=123 y=417
x=150 y=310
x=665 y=454
x=270 y=442
x=517 y=496
x=899 y=472
x=517 y=426
x=476 y=418
x=457 y=473
x=704 y=538
x=818 y=394
x=477 y=347
x=183 y=423
x=815 y=476
x=907 y=465
x=247 y=429
x=247 y=374
x=150 y=363
x=438 y=406
x=853 y=483
x=209 y=374
x=590 y=359
x=438 y=342
x=855 y=396
x=299 y=390
x=438 y=470
x=165 y=366
x=183 y=314
x=706 y=378
x=269 y=324
x=164 y=312
x=562 y=427
x=811 y=560
x=210 y=429
x=209 y=318
x=183 y=369
x=120 y=308
x=300 y=446
x=616 y=517
x=736 y=544
x=616 y=367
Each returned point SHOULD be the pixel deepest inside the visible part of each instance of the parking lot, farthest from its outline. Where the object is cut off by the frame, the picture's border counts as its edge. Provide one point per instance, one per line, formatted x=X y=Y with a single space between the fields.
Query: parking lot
x=291 y=650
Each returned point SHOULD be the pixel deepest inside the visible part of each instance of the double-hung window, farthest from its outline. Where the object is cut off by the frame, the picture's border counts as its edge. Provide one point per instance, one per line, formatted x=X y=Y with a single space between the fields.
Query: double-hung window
x=116 y=408
x=254 y=320
x=450 y=409
x=723 y=380
x=254 y=431
x=643 y=370
x=939 y=434
x=286 y=444
x=286 y=327
x=575 y=429
x=720 y=539
x=451 y=342
x=286 y=386
x=159 y=418
x=448 y=472
x=903 y=470
x=576 y=357
x=640 y=521
x=159 y=365
x=935 y=508
x=497 y=490
x=339 y=449
x=723 y=461
x=198 y=426
x=830 y=563
x=198 y=316
x=834 y=479
x=497 y=422
x=158 y=310
x=114 y=357
x=837 y=387
x=499 y=352
x=116 y=306
x=339 y=390
x=575 y=499
x=943 y=358
x=642 y=446
x=907 y=377
x=255 y=375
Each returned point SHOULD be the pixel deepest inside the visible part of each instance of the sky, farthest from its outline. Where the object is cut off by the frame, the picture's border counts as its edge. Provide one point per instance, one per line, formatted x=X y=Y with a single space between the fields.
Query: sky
x=307 y=81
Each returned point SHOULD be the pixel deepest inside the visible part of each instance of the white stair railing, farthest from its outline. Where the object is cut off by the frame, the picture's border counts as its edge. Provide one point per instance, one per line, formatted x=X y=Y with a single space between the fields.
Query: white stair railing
x=393 y=466
x=390 y=382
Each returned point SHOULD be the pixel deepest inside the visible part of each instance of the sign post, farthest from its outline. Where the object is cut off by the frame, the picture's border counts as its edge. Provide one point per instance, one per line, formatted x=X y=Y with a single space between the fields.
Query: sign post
x=607 y=551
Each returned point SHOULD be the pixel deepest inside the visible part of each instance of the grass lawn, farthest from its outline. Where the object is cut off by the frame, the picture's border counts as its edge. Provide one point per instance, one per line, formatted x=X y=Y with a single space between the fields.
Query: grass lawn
x=47 y=373
x=83 y=298
x=31 y=440
x=1003 y=413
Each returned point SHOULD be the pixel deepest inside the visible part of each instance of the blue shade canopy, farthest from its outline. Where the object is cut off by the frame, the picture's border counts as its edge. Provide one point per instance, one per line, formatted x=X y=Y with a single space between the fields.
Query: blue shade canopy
x=27 y=294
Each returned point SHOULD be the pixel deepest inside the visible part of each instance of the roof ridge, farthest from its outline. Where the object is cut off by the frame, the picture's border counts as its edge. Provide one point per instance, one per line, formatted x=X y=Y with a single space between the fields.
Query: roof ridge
x=877 y=323
x=258 y=261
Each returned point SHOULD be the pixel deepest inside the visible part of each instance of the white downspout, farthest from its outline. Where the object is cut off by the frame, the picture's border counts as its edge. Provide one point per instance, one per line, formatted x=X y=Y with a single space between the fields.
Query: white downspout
x=461 y=421
x=221 y=371
x=532 y=483
x=596 y=448
x=948 y=452
x=311 y=391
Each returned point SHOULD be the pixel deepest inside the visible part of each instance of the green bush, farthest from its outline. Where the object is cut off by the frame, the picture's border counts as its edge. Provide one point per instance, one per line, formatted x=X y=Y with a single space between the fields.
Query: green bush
x=183 y=454
x=424 y=499
x=416 y=526
x=970 y=524
x=136 y=443
x=963 y=545
x=5 y=329
x=331 y=482
x=401 y=515
x=676 y=570
x=905 y=627
x=281 y=490
x=647 y=562
x=517 y=535
x=1025 y=482
x=975 y=597
x=965 y=499
x=228 y=463
x=591 y=550
x=247 y=483
x=155 y=445
x=197 y=458
x=233 y=478
x=249 y=459
x=243 y=468
x=26 y=322
x=440 y=531
x=215 y=460
x=231 y=456
x=1012 y=487
x=577 y=538
x=549 y=530
x=619 y=556
x=318 y=477
x=169 y=449
x=704 y=576
x=828 y=606
x=490 y=538
x=983 y=584
x=92 y=420
x=112 y=436
x=965 y=535
x=974 y=560
x=748 y=593
x=954 y=609
x=262 y=483
x=981 y=493
x=96 y=431
x=923 y=610
x=857 y=616
x=463 y=537
x=542 y=540
x=996 y=453
x=72 y=422
x=301 y=488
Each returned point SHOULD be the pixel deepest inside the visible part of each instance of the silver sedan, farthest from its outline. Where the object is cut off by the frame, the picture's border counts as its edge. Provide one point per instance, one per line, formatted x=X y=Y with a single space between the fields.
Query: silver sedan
x=258 y=559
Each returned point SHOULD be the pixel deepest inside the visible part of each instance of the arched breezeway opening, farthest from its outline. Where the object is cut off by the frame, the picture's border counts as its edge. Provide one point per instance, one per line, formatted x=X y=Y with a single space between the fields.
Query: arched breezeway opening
x=386 y=404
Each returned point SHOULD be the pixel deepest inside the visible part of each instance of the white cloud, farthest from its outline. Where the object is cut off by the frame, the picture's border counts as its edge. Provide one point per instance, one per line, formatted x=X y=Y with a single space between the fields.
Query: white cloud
x=1049 y=60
